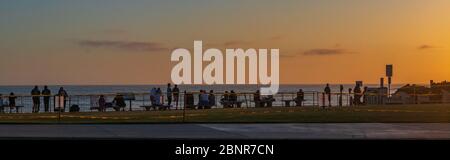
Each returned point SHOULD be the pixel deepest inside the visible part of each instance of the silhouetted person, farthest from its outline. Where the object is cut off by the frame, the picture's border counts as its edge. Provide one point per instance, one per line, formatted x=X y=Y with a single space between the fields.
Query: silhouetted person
x=233 y=96
x=169 y=94
x=176 y=95
x=341 y=91
x=269 y=100
x=153 y=96
x=12 y=101
x=300 y=97
x=364 y=96
x=102 y=103
x=62 y=94
x=46 y=93
x=257 y=99
x=35 y=93
x=203 y=100
x=1 y=104
x=225 y=100
x=357 y=95
x=158 y=97
x=212 y=99
x=119 y=102
x=327 y=91
x=350 y=97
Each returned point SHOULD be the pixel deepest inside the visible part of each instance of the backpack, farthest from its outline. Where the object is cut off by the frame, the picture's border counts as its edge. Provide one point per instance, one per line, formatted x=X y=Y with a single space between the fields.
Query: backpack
x=74 y=108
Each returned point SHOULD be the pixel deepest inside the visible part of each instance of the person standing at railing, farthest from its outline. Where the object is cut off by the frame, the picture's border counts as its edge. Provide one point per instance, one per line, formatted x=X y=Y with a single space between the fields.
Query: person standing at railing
x=158 y=97
x=46 y=93
x=350 y=97
x=176 y=95
x=357 y=95
x=211 y=99
x=102 y=103
x=341 y=90
x=169 y=95
x=35 y=93
x=153 y=96
x=203 y=100
x=300 y=97
x=327 y=92
x=257 y=98
x=12 y=101
x=364 y=94
x=62 y=95
x=1 y=104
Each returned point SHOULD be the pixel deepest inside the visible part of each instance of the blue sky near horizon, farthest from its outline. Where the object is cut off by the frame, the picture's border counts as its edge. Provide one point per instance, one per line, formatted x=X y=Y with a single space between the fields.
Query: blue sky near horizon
x=85 y=41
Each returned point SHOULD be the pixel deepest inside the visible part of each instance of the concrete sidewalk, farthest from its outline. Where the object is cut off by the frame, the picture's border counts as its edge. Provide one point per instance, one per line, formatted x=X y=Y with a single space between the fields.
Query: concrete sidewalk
x=233 y=131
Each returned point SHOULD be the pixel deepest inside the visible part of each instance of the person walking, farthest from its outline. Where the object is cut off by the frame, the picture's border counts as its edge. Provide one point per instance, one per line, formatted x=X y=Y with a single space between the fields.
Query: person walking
x=35 y=94
x=46 y=93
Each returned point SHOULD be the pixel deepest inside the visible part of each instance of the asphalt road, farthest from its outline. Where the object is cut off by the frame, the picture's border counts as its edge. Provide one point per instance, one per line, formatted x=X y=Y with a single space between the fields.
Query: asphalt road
x=232 y=131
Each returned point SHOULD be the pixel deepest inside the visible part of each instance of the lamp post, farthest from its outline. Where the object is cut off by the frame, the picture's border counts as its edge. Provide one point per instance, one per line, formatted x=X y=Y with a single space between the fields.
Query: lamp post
x=389 y=73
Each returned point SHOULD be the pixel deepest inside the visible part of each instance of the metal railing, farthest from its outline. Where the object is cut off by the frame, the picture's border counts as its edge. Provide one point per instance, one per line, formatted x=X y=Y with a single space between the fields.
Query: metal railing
x=89 y=102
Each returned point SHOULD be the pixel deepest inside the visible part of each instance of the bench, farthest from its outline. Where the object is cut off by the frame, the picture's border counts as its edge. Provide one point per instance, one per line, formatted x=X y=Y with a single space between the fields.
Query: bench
x=287 y=103
x=263 y=103
x=160 y=107
x=227 y=104
x=10 y=108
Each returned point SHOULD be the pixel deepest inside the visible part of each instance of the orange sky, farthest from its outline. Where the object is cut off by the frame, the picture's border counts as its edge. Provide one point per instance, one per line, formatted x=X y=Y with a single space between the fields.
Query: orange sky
x=324 y=41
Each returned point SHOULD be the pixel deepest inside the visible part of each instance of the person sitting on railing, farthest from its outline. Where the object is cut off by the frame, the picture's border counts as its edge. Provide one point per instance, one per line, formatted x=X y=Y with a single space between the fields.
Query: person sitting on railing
x=257 y=99
x=12 y=101
x=203 y=101
x=300 y=97
x=211 y=99
x=102 y=104
x=119 y=102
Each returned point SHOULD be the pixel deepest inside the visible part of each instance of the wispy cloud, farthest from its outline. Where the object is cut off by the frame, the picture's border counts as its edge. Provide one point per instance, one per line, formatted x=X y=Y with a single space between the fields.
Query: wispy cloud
x=123 y=45
x=113 y=31
x=425 y=47
x=325 y=51
x=235 y=43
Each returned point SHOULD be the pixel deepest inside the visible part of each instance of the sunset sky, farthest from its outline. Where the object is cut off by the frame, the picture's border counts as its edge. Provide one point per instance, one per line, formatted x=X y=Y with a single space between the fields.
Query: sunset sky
x=130 y=42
